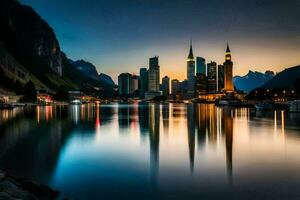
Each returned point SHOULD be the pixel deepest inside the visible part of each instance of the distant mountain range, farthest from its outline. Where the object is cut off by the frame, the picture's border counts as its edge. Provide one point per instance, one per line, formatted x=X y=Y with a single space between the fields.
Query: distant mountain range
x=90 y=70
x=285 y=79
x=252 y=80
x=32 y=44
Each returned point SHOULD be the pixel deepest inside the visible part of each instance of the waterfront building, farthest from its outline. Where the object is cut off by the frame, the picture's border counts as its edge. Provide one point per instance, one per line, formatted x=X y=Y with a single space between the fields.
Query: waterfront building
x=228 y=65
x=212 y=77
x=200 y=66
x=143 y=83
x=165 y=86
x=191 y=73
x=124 y=84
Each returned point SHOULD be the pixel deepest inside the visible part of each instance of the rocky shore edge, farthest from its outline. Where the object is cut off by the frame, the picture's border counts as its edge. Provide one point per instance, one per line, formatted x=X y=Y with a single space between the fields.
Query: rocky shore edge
x=13 y=187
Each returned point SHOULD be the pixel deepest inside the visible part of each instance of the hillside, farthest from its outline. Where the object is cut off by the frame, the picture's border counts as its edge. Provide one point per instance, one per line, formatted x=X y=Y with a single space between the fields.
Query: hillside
x=285 y=79
x=107 y=79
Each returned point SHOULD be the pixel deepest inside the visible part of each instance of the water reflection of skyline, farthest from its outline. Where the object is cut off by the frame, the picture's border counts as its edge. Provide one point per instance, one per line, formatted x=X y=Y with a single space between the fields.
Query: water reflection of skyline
x=174 y=134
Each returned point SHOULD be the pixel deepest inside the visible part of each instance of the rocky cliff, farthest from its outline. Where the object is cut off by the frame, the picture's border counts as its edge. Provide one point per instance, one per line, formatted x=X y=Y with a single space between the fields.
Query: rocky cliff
x=33 y=44
x=288 y=78
x=28 y=37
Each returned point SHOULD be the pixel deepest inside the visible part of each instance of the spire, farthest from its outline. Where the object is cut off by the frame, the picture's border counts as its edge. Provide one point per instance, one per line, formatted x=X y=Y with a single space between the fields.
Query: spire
x=191 y=55
x=228 y=49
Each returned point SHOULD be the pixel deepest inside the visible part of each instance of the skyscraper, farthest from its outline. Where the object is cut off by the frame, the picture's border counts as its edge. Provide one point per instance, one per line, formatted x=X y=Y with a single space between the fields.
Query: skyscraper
x=201 y=84
x=175 y=84
x=143 y=83
x=220 y=80
x=153 y=79
x=212 y=77
x=124 y=84
x=165 y=86
x=134 y=83
x=191 y=73
x=228 y=64
x=153 y=75
x=200 y=66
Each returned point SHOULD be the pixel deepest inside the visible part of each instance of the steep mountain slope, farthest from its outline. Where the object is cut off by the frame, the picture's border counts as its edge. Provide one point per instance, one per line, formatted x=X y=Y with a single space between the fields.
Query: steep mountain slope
x=252 y=80
x=285 y=79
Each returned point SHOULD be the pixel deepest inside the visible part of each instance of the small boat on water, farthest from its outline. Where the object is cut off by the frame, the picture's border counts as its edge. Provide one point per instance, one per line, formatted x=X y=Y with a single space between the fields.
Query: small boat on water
x=230 y=102
x=263 y=106
x=294 y=106
x=76 y=102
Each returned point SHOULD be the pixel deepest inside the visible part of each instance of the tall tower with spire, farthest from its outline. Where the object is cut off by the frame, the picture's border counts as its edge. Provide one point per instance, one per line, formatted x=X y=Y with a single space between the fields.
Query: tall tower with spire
x=191 y=72
x=228 y=65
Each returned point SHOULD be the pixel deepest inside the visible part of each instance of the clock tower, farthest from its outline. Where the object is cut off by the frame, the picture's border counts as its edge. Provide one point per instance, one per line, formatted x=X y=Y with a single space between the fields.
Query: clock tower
x=228 y=65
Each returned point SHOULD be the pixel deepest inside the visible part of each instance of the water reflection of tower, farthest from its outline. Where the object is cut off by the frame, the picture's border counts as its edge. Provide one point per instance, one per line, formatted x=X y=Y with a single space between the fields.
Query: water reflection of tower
x=154 y=115
x=212 y=128
x=191 y=133
x=165 y=117
x=228 y=133
x=124 y=115
x=143 y=112
x=201 y=117
x=206 y=121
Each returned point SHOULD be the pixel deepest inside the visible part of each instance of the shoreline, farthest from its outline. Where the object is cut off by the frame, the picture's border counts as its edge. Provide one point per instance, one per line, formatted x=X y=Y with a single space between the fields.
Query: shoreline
x=13 y=187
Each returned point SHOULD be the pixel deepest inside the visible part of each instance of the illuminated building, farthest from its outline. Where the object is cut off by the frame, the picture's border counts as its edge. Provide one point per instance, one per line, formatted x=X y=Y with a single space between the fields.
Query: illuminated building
x=212 y=77
x=228 y=64
x=201 y=84
x=191 y=73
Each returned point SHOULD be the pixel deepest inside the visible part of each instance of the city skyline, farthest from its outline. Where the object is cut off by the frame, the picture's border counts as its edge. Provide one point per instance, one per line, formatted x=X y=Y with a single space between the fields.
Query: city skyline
x=262 y=35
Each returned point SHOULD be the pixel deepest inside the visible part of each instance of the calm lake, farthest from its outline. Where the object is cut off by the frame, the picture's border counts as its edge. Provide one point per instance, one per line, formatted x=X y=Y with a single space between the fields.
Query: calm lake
x=154 y=151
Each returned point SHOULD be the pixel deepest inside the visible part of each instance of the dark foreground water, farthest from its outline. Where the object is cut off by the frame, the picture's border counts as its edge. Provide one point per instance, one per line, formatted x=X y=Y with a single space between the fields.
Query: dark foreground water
x=155 y=151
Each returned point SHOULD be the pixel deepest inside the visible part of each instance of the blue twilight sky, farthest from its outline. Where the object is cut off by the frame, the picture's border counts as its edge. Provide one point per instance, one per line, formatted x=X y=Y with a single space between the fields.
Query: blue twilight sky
x=120 y=35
